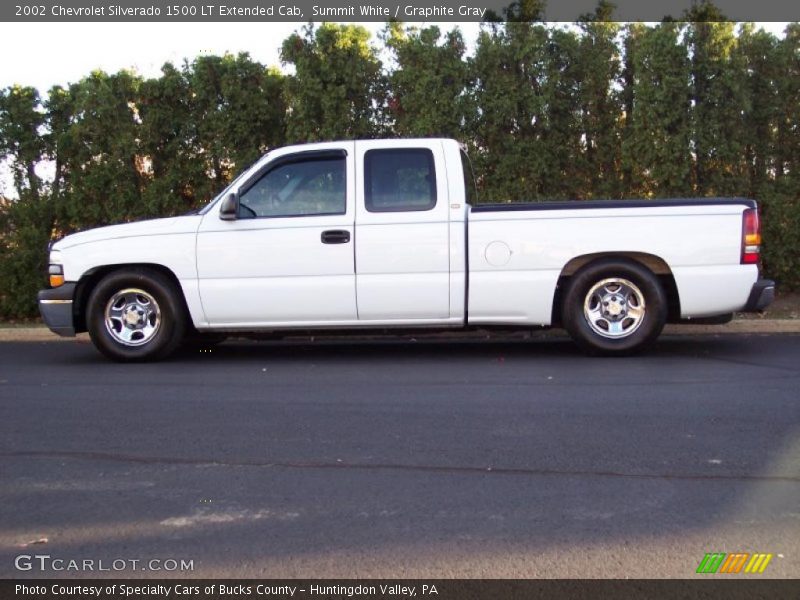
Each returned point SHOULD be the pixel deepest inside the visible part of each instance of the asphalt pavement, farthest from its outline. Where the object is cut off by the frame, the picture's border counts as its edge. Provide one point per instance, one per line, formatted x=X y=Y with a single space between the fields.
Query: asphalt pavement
x=403 y=459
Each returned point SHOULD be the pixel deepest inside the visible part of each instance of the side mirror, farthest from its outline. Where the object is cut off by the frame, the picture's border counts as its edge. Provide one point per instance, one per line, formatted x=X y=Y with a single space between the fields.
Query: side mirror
x=229 y=209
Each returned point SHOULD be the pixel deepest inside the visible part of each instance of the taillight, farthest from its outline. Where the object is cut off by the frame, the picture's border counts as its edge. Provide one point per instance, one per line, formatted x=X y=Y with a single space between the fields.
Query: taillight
x=751 y=237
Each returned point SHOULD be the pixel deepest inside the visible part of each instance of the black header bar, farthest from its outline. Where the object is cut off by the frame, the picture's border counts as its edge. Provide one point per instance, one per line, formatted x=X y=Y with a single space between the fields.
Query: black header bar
x=708 y=588
x=368 y=10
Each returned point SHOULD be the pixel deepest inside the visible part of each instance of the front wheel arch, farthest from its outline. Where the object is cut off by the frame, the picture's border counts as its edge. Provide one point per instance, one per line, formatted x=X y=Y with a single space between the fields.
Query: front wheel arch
x=92 y=277
x=122 y=294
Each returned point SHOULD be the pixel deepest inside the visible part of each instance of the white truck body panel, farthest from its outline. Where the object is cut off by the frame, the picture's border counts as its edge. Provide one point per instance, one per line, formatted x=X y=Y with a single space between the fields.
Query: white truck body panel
x=268 y=272
x=448 y=266
x=694 y=241
x=403 y=258
x=167 y=242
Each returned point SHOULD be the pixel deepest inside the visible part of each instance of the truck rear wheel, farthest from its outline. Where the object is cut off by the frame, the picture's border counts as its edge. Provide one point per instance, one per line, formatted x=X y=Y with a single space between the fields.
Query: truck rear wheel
x=135 y=315
x=614 y=307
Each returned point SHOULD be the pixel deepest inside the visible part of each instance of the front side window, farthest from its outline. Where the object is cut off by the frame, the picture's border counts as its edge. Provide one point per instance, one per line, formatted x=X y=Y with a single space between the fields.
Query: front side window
x=399 y=180
x=305 y=186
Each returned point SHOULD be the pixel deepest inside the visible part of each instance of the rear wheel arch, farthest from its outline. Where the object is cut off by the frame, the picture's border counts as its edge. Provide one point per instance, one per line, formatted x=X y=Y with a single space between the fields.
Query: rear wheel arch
x=655 y=264
x=614 y=306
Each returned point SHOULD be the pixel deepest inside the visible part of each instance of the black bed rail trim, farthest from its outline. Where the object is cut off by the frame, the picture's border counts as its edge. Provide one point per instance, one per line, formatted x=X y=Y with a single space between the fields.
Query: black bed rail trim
x=588 y=204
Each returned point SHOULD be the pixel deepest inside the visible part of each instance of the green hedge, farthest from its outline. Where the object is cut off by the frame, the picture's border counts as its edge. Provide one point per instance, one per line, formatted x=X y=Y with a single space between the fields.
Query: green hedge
x=599 y=110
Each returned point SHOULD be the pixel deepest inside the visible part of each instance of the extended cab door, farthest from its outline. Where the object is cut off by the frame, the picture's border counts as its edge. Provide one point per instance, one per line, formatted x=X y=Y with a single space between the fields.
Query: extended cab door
x=402 y=232
x=288 y=257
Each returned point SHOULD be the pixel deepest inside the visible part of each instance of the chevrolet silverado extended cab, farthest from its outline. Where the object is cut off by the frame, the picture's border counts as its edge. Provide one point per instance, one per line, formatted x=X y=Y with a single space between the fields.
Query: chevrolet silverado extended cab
x=386 y=234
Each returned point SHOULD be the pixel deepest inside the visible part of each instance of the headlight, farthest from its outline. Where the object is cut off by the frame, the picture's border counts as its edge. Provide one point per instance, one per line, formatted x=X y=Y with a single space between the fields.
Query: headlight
x=56 y=269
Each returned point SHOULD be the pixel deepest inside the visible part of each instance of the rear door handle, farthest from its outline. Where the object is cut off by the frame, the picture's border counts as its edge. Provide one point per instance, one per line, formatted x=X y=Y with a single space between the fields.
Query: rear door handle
x=335 y=236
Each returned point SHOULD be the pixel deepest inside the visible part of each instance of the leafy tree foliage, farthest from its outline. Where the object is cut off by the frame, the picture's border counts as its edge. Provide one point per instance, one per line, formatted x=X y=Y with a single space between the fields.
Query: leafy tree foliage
x=100 y=151
x=780 y=188
x=656 y=149
x=719 y=104
x=22 y=119
x=238 y=110
x=509 y=92
x=26 y=224
x=204 y=122
x=429 y=65
x=177 y=168
x=599 y=76
x=337 y=87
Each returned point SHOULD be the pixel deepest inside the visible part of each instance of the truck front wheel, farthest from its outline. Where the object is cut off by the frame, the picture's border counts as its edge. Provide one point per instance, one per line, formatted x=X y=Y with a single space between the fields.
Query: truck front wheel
x=135 y=315
x=614 y=307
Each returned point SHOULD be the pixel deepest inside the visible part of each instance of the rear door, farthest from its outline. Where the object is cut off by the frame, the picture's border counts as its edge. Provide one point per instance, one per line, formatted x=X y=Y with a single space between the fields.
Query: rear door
x=402 y=232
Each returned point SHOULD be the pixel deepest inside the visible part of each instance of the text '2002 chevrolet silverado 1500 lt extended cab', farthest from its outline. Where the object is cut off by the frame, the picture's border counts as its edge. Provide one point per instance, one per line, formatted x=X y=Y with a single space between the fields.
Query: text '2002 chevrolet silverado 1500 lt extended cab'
x=385 y=234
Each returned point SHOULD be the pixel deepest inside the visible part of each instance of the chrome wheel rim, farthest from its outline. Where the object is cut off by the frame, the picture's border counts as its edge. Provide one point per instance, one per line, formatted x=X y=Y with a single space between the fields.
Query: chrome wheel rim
x=132 y=317
x=614 y=308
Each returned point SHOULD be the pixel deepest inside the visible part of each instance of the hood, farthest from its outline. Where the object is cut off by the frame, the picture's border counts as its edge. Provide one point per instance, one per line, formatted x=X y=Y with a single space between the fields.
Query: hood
x=152 y=227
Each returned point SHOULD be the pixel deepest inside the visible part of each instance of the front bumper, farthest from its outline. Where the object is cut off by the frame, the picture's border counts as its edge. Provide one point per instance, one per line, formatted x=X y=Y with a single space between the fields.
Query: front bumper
x=55 y=306
x=761 y=296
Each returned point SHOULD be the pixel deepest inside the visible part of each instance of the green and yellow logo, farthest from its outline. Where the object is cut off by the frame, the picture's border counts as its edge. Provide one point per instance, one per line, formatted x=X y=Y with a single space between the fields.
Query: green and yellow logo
x=737 y=562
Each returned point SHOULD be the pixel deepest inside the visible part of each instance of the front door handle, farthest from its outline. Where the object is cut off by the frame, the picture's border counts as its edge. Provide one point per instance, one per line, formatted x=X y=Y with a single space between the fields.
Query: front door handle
x=335 y=236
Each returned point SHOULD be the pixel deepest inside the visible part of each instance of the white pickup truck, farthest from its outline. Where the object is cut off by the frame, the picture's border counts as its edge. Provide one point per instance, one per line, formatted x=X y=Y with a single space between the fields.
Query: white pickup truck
x=386 y=234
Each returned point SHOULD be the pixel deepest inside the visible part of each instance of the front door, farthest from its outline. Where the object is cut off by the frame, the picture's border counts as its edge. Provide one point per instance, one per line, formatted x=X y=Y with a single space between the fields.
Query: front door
x=288 y=258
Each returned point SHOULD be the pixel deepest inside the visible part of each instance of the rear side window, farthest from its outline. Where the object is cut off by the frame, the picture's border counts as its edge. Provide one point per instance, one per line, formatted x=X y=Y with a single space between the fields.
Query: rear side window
x=399 y=180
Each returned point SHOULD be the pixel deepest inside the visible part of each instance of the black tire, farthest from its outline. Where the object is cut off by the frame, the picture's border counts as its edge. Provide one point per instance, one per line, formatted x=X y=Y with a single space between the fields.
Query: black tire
x=162 y=317
x=606 y=322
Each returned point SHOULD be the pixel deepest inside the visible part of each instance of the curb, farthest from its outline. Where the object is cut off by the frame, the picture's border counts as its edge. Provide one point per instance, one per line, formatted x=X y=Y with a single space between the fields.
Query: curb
x=740 y=326
x=751 y=326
